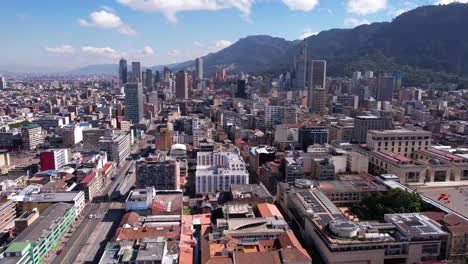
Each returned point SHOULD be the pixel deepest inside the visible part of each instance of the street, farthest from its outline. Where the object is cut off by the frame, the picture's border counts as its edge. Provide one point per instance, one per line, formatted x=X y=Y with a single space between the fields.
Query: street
x=88 y=241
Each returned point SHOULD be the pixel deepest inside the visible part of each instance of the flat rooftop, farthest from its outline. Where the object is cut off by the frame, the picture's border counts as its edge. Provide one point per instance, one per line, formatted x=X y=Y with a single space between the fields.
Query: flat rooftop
x=246 y=190
x=46 y=221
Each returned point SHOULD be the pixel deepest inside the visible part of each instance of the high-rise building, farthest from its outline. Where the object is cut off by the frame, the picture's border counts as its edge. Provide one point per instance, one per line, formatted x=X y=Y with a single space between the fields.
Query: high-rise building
x=300 y=68
x=32 y=136
x=241 y=89
x=224 y=74
x=123 y=71
x=317 y=90
x=385 y=87
x=318 y=74
x=149 y=79
x=181 y=85
x=368 y=75
x=198 y=69
x=136 y=72
x=3 y=83
x=356 y=78
x=157 y=78
x=54 y=159
x=311 y=135
x=362 y=124
x=134 y=102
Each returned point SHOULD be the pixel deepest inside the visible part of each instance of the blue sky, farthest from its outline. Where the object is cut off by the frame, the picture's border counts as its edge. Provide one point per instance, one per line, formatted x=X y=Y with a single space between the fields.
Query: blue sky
x=61 y=35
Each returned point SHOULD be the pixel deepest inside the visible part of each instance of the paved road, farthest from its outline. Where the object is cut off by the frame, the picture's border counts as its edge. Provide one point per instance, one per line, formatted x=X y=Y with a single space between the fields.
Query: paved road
x=91 y=235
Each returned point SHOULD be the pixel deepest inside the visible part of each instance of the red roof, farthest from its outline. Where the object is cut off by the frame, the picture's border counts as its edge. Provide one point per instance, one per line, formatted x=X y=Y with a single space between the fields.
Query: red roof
x=267 y=209
x=87 y=179
x=106 y=167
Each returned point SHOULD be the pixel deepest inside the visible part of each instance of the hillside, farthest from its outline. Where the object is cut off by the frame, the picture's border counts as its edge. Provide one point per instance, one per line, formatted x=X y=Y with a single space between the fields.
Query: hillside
x=427 y=43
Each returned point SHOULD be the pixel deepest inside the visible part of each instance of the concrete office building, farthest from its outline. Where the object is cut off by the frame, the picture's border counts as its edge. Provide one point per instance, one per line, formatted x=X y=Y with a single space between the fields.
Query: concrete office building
x=362 y=124
x=71 y=135
x=400 y=141
x=117 y=146
x=38 y=239
x=310 y=135
x=347 y=100
x=182 y=85
x=341 y=132
x=385 y=87
x=136 y=72
x=300 y=68
x=7 y=213
x=356 y=79
x=217 y=171
x=400 y=238
x=32 y=136
x=161 y=174
x=91 y=137
x=54 y=159
x=317 y=90
x=276 y=115
x=149 y=79
x=134 y=102
x=3 y=83
x=198 y=69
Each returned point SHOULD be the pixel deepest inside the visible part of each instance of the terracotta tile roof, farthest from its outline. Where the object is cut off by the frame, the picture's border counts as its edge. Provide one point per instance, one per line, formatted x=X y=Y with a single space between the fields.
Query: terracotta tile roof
x=292 y=249
x=130 y=219
x=266 y=209
x=270 y=257
x=133 y=233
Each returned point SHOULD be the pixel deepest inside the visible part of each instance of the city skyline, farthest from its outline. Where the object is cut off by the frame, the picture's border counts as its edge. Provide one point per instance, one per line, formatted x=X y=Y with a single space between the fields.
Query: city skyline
x=100 y=32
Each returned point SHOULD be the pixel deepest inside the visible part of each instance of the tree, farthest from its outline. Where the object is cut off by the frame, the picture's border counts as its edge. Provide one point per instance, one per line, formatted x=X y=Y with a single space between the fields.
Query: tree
x=376 y=205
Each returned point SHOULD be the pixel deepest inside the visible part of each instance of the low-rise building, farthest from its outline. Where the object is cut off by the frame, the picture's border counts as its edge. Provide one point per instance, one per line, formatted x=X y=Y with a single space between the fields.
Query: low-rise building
x=36 y=241
x=407 y=238
x=140 y=199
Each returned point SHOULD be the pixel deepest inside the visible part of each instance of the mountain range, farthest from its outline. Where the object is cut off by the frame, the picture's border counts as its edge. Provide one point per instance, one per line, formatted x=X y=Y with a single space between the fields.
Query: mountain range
x=428 y=42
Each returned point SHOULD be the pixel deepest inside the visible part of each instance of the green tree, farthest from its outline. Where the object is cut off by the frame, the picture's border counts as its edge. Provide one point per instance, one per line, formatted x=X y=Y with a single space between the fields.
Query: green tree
x=376 y=205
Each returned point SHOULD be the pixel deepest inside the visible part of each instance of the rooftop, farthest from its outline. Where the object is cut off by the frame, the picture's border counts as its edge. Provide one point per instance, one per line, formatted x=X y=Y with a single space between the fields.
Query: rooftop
x=249 y=191
x=46 y=221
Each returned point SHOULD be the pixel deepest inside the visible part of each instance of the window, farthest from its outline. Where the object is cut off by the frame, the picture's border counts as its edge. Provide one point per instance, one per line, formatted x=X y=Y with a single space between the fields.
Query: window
x=464 y=175
x=440 y=176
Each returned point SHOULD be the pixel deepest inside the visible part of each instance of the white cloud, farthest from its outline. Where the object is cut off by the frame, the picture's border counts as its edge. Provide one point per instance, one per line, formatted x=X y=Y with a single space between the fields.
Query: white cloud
x=364 y=7
x=107 y=20
x=95 y=55
x=199 y=44
x=170 y=8
x=64 y=49
x=147 y=50
x=174 y=53
x=307 y=32
x=303 y=5
x=108 y=8
x=354 y=22
x=446 y=2
x=221 y=44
